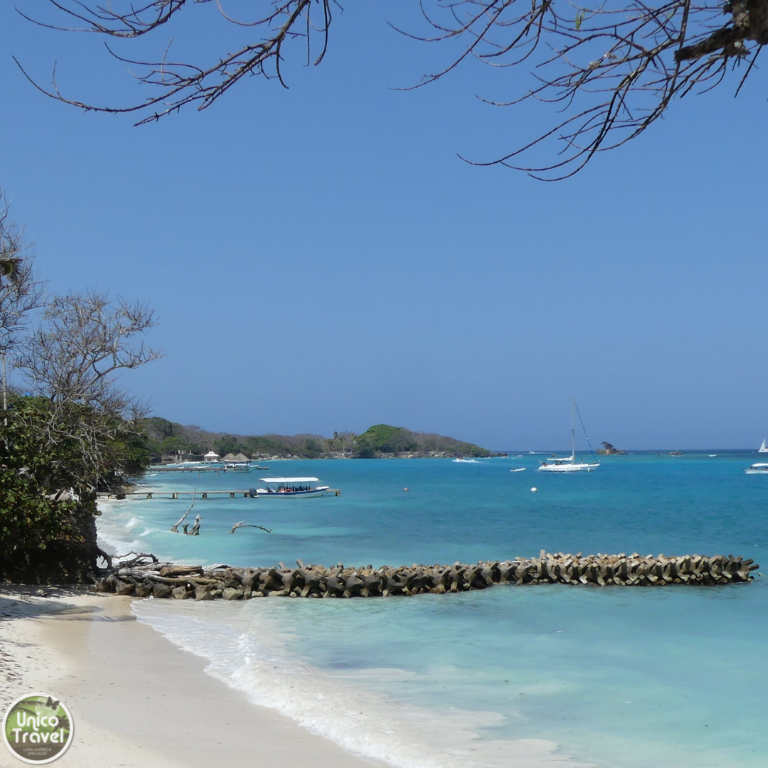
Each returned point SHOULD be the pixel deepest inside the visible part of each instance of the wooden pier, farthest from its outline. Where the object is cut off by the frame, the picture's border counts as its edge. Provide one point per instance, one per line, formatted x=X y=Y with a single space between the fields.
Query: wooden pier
x=181 y=494
x=200 y=470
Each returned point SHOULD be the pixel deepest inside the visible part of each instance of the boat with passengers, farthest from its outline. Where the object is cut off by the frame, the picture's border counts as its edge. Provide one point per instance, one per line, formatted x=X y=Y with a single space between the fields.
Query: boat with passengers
x=289 y=487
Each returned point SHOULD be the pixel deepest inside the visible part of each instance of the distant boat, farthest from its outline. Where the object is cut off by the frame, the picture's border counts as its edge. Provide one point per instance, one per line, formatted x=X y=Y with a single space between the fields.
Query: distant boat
x=569 y=463
x=519 y=469
x=757 y=469
x=762 y=448
x=712 y=455
x=466 y=461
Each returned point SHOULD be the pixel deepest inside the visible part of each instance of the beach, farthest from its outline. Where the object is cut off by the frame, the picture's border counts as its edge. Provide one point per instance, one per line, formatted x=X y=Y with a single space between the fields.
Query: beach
x=545 y=675
x=136 y=699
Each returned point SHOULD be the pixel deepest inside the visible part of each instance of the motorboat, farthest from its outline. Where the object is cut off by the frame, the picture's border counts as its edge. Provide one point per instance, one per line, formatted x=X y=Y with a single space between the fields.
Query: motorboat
x=569 y=463
x=757 y=469
x=289 y=487
x=461 y=460
x=237 y=466
x=518 y=469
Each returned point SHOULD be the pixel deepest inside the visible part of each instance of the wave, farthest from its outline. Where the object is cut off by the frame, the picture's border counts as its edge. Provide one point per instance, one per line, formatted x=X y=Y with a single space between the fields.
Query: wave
x=246 y=650
x=116 y=535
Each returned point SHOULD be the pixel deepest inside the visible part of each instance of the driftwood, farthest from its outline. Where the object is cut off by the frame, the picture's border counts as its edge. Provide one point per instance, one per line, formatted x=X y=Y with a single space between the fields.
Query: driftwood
x=143 y=576
x=243 y=524
x=175 y=528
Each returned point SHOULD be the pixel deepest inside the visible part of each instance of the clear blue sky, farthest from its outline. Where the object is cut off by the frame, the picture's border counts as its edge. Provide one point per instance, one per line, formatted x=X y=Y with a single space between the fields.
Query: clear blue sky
x=320 y=259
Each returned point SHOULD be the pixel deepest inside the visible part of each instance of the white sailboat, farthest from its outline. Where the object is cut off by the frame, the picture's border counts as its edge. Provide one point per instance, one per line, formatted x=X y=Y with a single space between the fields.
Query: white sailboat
x=762 y=448
x=569 y=463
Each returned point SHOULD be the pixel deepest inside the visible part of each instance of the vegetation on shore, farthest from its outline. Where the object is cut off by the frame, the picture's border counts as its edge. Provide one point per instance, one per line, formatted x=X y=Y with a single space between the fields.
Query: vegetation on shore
x=167 y=438
x=71 y=431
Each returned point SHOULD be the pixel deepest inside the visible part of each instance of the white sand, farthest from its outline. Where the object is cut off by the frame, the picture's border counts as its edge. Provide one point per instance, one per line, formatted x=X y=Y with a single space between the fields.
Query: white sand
x=137 y=701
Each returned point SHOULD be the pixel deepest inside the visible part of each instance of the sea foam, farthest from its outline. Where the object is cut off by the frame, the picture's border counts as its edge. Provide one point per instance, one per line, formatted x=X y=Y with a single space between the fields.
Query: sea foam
x=246 y=650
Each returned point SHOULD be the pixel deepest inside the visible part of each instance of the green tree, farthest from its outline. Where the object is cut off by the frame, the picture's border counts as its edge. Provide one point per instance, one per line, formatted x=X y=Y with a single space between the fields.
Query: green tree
x=48 y=490
x=228 y=444
x=80 y=433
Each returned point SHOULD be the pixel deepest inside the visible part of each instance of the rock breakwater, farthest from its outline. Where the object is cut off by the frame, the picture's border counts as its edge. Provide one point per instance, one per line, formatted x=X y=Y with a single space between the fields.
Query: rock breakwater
x=143 y=575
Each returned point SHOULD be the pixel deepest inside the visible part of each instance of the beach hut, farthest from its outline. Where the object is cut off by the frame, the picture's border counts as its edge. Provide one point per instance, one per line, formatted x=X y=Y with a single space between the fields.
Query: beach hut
x=211 y=456
x=239 y=458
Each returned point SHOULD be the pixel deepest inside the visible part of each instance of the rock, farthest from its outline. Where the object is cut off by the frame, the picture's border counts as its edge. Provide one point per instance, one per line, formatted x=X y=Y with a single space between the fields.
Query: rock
x=230 y=593
x=180 y=593
x=160 y=590
x=124 y=587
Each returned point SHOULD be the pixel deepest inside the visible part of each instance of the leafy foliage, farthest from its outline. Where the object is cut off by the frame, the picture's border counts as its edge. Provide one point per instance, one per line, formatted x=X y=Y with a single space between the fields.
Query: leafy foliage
x=48 y=486
x=384 y=439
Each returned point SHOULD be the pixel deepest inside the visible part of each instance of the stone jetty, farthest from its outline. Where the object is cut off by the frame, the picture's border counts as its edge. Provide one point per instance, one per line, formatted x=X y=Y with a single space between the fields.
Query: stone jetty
x=143 y=575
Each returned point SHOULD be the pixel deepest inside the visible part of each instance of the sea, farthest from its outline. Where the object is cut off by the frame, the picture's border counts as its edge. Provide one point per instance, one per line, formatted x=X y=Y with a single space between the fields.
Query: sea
x=533 y=676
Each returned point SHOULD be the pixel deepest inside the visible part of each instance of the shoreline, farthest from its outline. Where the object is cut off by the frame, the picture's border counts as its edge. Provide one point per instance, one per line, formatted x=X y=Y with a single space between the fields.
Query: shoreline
x=137 y=699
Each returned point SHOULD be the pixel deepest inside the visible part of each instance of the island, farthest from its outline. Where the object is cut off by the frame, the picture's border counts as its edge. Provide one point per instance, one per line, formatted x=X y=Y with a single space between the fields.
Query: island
x=168 y=441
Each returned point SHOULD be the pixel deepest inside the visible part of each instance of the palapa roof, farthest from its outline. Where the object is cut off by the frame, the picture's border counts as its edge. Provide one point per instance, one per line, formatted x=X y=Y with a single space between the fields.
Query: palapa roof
x=240 y=457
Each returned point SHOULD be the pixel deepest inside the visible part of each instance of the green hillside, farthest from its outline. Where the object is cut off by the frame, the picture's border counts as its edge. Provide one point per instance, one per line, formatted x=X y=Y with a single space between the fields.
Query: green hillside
x=167 y=438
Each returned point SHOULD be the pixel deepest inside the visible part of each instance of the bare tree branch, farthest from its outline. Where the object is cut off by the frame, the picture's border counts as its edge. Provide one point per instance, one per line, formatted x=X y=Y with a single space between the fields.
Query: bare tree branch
x=81 y=348
x=180 y=84
x=20 y=291
x=243 y=524
x=609 y=69
x=73 y=361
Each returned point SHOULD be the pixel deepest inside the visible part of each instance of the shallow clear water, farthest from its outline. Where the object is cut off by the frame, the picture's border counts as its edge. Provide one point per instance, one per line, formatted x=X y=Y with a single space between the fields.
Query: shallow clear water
x=613 y=676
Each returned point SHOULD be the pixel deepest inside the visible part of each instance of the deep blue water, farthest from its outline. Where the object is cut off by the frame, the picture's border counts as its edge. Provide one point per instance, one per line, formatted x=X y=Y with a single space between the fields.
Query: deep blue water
x=613 y=676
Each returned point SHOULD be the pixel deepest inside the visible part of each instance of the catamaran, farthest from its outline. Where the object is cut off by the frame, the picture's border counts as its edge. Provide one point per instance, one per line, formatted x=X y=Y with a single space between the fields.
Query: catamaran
x=289 y=487
x=762 y=448
x=569 y=463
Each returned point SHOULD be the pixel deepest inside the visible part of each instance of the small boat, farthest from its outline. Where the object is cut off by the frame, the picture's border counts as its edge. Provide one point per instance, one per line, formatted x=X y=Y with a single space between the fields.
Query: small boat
x=289 y=487
x=757 y=469
x=569 y=463
x=762 y=448
x=461 y=460
x=519 y=469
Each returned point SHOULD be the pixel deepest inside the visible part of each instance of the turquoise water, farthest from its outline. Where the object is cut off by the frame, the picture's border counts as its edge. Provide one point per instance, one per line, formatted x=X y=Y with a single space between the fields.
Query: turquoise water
x=544 y=675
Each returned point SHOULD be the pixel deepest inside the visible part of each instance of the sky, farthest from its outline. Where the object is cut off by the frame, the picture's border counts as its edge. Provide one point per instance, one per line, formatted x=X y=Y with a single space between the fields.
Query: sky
x=320 y=259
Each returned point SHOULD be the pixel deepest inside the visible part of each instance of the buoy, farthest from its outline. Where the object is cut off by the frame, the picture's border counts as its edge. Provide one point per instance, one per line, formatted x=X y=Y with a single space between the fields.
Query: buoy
x=533 y=490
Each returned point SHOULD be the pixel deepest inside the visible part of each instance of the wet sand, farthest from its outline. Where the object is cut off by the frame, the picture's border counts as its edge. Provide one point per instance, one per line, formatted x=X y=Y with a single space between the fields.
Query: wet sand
x=136 y=699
